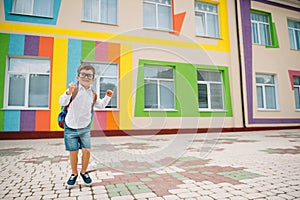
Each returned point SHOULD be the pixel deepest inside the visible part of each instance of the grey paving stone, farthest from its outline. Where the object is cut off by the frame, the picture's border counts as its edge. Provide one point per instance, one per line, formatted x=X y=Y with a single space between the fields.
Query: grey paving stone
x=278 y=175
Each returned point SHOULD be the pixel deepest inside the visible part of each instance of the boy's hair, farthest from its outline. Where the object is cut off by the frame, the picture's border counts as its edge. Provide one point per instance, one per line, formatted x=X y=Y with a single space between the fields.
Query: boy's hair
x=86 y=67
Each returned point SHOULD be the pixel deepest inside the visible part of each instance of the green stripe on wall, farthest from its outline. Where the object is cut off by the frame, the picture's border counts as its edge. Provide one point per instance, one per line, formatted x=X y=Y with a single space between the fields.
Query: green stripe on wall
x=88 y=50
x=4 y=41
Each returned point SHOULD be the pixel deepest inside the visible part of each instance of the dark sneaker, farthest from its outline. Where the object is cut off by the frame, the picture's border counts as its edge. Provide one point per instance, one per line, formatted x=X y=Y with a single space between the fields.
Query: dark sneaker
x=72 y=180
x=86 y=178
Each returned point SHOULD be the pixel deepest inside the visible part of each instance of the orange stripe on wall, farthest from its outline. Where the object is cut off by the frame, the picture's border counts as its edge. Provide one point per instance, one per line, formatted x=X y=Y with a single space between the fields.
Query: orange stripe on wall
x=112 y=120
x=114 y=52
x=42 y=119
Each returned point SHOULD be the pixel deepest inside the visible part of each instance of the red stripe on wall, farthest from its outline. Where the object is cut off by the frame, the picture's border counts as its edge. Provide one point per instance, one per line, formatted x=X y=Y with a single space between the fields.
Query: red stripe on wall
x=99 y=120
x=101 y=53
x=42 y=120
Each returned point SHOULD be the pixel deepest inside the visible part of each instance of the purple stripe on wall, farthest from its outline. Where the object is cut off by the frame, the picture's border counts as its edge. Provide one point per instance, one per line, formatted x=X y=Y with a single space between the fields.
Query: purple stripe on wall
x=27 y=121
x=247 y=43
x=31 y=45
x=279 y=5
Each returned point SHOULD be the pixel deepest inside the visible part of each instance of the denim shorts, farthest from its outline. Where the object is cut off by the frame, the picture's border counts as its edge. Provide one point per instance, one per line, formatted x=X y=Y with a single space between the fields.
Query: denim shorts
x=76 y=139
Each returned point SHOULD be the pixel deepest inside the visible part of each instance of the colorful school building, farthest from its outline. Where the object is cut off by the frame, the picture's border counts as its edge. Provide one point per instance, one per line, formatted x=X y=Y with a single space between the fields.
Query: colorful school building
x=174 y=66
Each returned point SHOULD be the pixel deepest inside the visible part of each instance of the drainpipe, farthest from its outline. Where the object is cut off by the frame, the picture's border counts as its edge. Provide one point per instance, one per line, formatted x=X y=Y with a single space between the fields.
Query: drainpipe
x=240 y=62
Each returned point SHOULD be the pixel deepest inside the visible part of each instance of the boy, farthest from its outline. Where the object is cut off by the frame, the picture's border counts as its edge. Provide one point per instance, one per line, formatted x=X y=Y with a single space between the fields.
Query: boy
x=78 y=119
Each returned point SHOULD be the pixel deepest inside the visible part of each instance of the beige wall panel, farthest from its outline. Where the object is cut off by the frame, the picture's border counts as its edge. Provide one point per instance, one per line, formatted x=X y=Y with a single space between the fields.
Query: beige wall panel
x=180 y=123
x=277 y=61
x=130 y=21
x=184 y=55
x=2 y=15
x=234 y=69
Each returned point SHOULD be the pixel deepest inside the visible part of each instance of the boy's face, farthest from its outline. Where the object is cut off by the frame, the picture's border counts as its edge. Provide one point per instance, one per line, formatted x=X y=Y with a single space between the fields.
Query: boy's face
x=85 y=78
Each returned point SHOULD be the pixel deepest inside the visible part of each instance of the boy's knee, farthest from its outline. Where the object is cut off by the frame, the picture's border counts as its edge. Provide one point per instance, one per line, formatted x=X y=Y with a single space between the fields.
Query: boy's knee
x=85 y=151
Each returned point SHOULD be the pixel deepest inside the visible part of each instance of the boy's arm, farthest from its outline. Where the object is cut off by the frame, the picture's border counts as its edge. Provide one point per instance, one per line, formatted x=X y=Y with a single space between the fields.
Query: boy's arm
x=102 y=103
x=64 y=99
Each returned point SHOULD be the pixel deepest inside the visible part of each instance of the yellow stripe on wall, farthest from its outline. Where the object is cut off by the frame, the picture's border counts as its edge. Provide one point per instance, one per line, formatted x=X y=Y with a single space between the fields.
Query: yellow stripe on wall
x=125 y=85
x=58 y=78
x=223 y=44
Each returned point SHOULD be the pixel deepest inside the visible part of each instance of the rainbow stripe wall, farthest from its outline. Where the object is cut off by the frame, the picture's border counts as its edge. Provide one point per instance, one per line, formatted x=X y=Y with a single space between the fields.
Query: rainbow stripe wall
x=65 y=55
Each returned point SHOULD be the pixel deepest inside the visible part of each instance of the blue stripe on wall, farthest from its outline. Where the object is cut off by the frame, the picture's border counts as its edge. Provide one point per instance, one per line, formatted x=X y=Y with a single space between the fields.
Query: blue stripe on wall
x=9 y=16
x=16 y=44
x=12 y=120
x=74 y=57
x=12 y=117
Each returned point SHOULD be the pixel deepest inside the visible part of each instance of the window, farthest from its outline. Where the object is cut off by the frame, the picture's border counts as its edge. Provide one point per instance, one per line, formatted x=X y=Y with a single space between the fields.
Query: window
x=42 y=8
x=210 y=90
x=103 y=11
x=297 y=91
x=294 y=34
x=28 y=82
x=207 y=19
x=260 y=29
x=158 y=14
x=159 y=87
x=266 y=91
x=106 y=77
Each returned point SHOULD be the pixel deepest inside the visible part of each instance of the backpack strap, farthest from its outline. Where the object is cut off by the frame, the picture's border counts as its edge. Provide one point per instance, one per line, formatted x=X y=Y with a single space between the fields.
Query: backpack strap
x=95 y=99
x=74 y=93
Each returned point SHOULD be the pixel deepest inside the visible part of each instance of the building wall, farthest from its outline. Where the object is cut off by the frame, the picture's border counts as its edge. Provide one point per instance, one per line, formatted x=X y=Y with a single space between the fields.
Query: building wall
x=67 y=40
x=278 y=60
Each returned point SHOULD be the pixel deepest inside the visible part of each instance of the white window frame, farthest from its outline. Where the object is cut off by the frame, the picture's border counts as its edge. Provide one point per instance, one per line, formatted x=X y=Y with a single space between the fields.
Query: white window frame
x=293 y=39
x=205 y=14
x=264 y=85
x=296 y=87
x=269 y=42
x=99 y=19
x=160 y=3
x=96 y=85
x=157 y=79
x=27 y=80
x=31 y=11
x=208 y=84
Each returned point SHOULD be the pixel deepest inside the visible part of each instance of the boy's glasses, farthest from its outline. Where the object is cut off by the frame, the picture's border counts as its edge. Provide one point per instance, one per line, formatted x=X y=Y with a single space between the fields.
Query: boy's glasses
x=89 y=76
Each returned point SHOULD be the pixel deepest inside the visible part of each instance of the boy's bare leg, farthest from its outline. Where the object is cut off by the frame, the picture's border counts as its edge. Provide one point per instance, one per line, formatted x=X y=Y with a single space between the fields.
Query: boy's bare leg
x=85 y=159
x=74 y=161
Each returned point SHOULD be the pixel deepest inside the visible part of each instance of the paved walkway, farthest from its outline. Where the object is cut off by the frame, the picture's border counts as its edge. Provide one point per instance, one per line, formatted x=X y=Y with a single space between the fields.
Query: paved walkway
x=239 y=165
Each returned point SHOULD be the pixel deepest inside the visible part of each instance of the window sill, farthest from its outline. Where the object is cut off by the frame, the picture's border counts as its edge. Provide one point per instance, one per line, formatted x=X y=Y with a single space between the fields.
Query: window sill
x=160 y=110
x=29 y=15
x=160 y=30
x=22 y=108
x=295 y=49
x=268 y=110
x=95 y=22
x=209 y=37
x=107 y=109
x=209 y=110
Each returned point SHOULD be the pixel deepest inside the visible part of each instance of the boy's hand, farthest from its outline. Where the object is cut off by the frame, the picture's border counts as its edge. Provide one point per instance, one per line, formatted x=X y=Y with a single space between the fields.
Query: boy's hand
x=109 y=93
x=71 y=87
